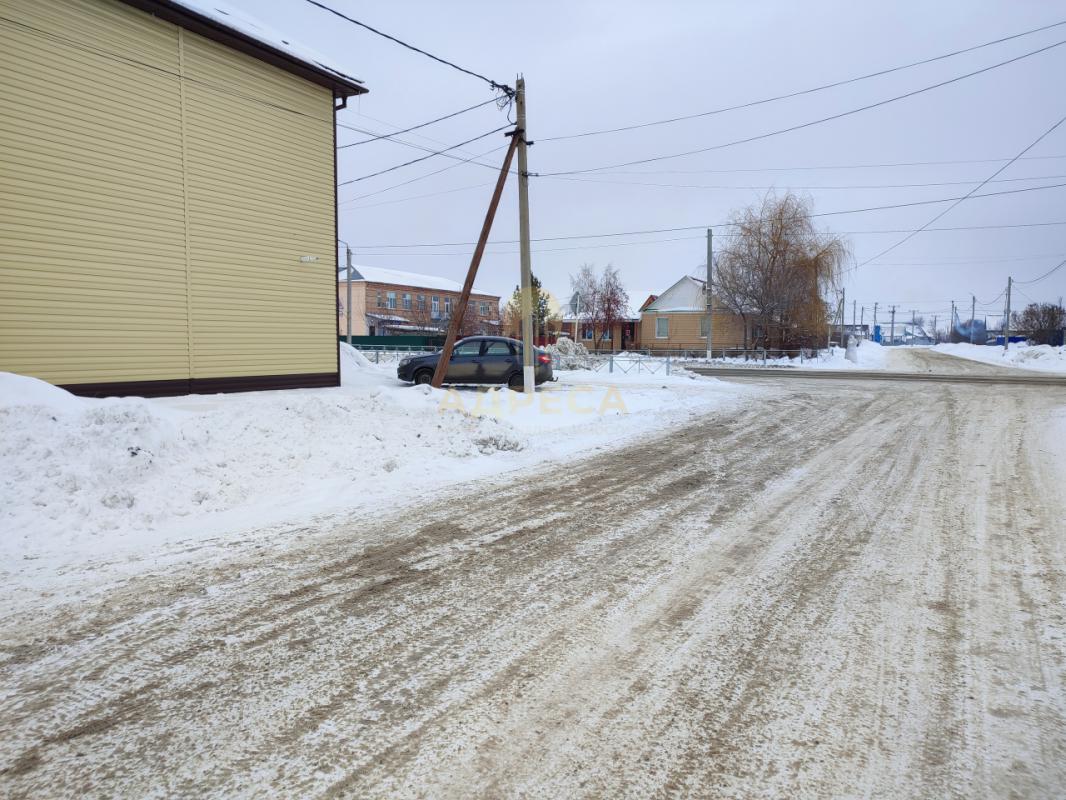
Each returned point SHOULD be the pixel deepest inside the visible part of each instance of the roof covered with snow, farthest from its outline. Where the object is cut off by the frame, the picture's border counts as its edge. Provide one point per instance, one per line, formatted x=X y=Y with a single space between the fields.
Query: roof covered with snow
x=688 y=294
x=413 y=279
x=218 y=20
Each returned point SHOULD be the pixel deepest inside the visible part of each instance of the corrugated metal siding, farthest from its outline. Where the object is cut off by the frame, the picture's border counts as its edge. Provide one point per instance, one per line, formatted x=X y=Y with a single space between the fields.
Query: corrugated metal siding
x=140 y=212
x=92 y=264
x=260 y=196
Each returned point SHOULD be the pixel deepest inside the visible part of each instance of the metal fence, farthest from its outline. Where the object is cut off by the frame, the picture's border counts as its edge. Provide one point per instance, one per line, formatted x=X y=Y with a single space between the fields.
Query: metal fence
x=391 y=354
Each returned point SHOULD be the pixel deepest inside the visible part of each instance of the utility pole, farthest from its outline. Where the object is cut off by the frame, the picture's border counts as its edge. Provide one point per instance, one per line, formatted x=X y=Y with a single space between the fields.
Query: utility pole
x=875 y=317
x=843 y=300
x=529 y=381
x=710 y=296
x=936 y=336
x=892 y=335
x=951 y=324
x=1006 y=319
x=854 y=305
x=348 y=304
x=862 y=319
x=445 y=357
x=914 y=325
x=973 y=313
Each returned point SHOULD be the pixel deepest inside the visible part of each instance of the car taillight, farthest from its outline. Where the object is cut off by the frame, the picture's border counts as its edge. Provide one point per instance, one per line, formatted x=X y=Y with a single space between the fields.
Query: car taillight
x=544 y=358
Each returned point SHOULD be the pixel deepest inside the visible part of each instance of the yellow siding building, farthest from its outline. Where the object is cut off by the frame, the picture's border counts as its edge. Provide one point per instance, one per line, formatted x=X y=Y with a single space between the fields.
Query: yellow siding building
x=167 y=201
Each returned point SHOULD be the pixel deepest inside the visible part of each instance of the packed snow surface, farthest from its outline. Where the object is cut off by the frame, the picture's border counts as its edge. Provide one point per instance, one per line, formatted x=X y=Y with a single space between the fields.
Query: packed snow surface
x=84 y=479
x=1040 y=357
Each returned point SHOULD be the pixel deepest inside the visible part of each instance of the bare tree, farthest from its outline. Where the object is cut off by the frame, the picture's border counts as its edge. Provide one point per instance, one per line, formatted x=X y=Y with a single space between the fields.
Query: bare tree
x=777 y=270
x=601 y=300
x=585 y=287
x=1042 y=322
x=613 y=302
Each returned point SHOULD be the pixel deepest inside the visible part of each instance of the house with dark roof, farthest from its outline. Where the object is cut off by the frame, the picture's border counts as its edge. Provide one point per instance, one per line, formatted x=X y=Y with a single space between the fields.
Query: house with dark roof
x=169 y=194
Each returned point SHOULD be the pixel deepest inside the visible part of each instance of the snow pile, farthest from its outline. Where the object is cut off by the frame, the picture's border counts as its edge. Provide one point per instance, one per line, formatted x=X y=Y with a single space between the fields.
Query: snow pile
x=568 y=354
x=1038 y=357
x=352 y=361
x=868 y=355
x=122 y=482
x=91 y=474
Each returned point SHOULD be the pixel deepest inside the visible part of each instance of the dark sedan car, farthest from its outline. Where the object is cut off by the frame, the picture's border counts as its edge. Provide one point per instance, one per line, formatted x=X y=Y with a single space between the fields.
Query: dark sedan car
x=479 y=359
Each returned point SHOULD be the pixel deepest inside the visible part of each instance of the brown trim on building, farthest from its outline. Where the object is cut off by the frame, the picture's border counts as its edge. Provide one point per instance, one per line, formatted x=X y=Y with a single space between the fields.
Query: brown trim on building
x=172 y=388
x=342 y=85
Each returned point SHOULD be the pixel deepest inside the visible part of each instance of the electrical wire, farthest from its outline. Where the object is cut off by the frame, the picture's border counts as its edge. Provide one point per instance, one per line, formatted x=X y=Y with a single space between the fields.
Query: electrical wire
x=827 y=167
x=956 y=201
x=420 y=196
x=1050 y=272
x=808 y=188
x=427 y=175
x=808 y=124
x=718 y=235
x=801 y=92
x=495 y=85
x=415 y=127
x=971 y=193
x=425 y=157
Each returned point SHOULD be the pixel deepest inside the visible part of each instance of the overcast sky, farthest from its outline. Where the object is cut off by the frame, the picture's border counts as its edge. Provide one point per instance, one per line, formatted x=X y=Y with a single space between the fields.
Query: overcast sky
x=591 y=66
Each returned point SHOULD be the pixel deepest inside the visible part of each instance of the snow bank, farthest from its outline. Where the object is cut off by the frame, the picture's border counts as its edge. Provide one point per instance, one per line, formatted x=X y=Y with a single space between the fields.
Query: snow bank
x=128 y=480
x=568 y=354
x=1039 y=358
x=92 y=476
x=869 y=356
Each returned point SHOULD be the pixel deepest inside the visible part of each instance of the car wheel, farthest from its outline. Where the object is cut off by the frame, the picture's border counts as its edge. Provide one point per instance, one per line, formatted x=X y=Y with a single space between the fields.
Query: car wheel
x=423 y=377
x=516 y=382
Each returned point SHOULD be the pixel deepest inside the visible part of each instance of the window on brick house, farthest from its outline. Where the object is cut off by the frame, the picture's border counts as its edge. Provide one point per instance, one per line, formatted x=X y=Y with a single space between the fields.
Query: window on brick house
x=407 y=300
x=391 y=298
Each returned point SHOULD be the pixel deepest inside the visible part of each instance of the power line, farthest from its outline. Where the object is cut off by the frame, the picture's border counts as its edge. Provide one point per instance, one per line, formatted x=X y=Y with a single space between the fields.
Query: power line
x=503 y=87
x=423 y=158
x=415 y=127
x=773 y=186
x=801 y=92
x=969 y=194
x=704 y=228
x=423 y=177
x=809 y=124
x=828 y=166
x=420 y=196
x=1045 y=275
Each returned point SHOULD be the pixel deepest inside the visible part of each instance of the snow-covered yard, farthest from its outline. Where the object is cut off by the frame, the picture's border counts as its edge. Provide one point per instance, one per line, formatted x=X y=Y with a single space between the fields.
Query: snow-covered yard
x=1040 y=358
x=137 y=482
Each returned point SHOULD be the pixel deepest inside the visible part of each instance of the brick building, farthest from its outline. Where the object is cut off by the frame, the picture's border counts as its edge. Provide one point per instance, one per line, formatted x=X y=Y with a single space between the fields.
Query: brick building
x=390 y=302
x=677 y=320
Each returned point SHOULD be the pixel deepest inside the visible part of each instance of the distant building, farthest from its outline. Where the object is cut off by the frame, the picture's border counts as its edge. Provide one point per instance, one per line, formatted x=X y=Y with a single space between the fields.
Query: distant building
x=677 y=320
x=624 y=334
x=391 y=302
x=908 y=333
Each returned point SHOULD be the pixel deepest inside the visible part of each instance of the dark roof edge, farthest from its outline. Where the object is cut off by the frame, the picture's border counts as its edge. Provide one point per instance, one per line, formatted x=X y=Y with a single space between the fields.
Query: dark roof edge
x=341 y=85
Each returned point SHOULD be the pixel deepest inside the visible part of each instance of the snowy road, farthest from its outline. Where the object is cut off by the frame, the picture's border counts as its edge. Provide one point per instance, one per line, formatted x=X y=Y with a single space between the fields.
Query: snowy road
x=856 y=589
